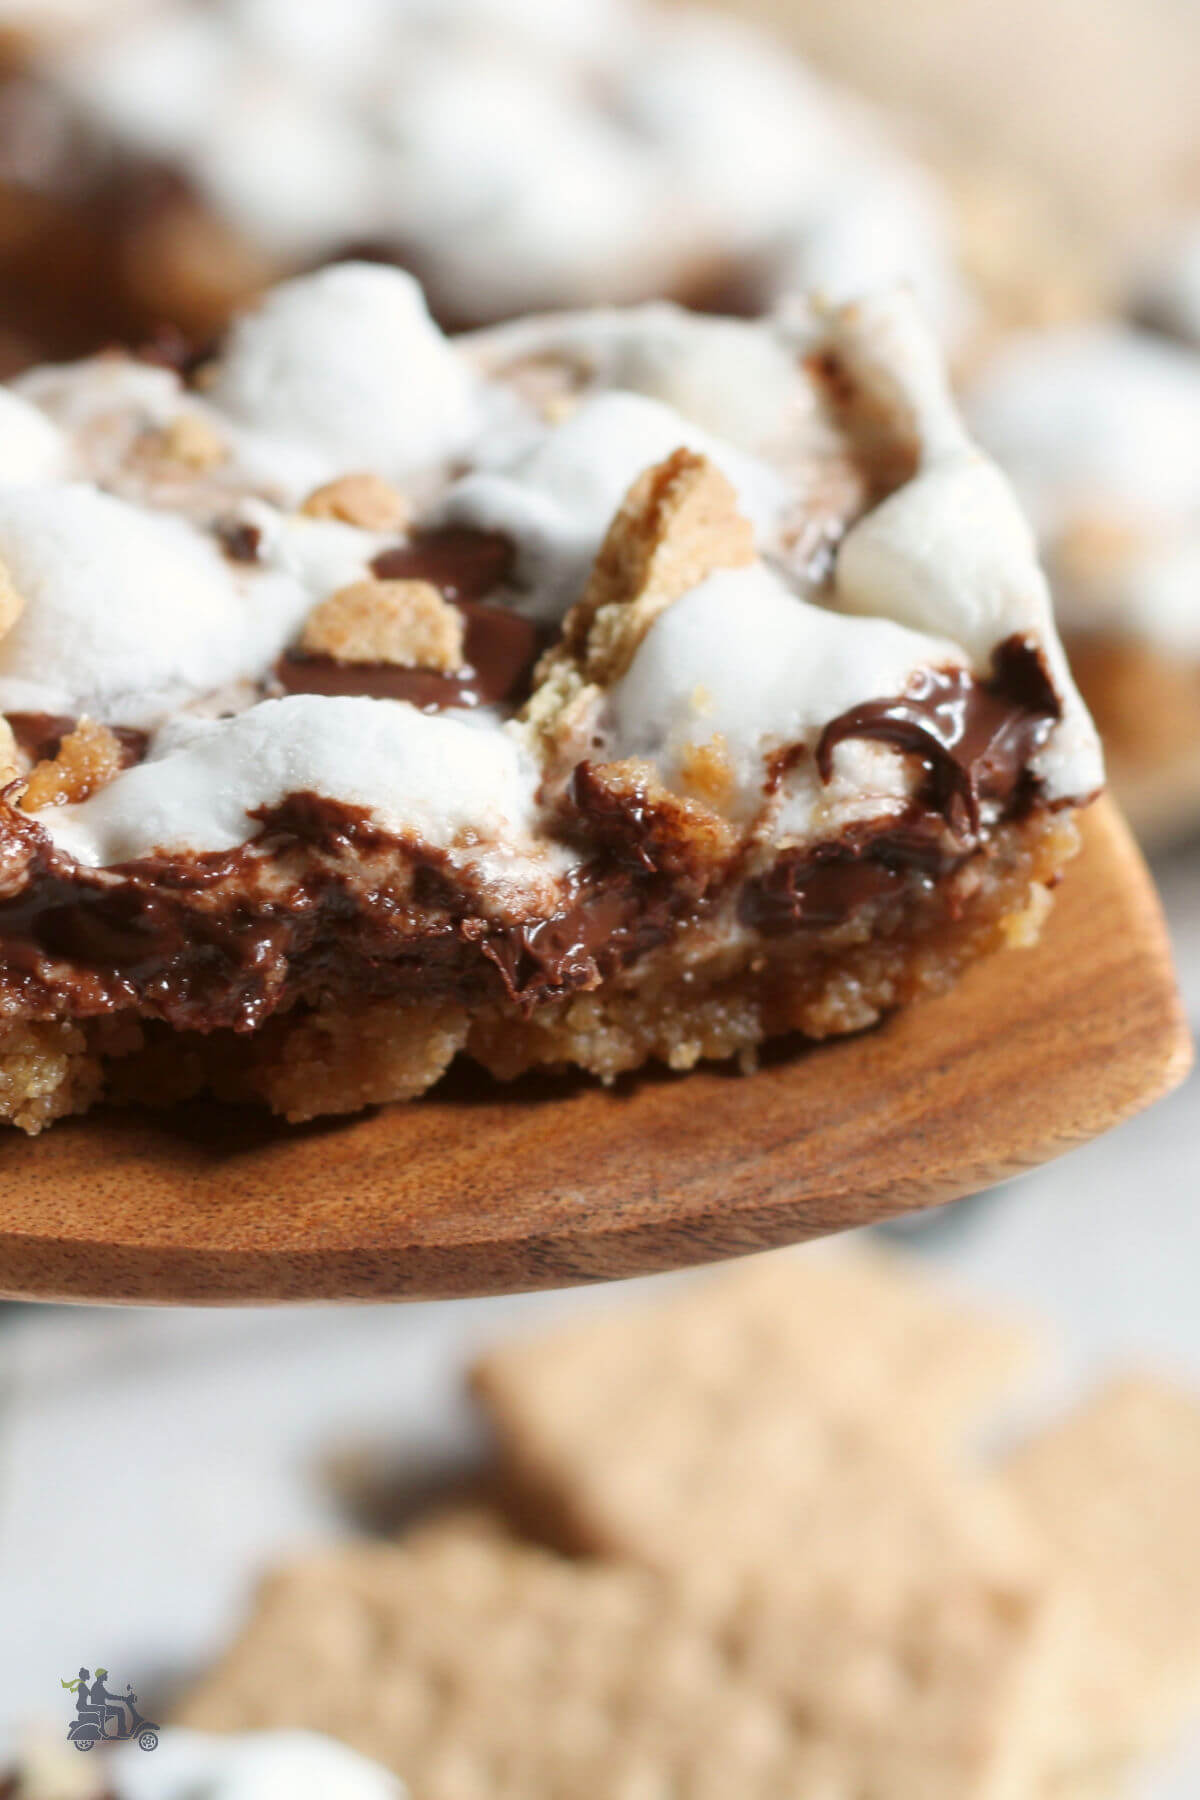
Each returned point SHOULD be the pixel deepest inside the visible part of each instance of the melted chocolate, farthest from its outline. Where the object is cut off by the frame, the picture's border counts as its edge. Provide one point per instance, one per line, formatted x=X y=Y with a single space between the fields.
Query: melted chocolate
x=460 y=562
x=500 y=646
x=975 y=739
x=239 y=540
x=423 y=688
x=326 y=902
x=205 y=944
x=608 y=921
x=819 y=889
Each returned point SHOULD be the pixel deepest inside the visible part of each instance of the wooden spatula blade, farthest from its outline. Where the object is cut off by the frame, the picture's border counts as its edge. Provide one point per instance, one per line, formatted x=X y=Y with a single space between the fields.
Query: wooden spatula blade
x=480 y=1189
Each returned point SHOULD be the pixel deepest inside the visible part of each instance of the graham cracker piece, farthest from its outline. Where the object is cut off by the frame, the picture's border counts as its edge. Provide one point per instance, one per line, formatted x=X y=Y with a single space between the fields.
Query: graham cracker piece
x=192 y=441
x=338 y=1059
x=704 y=1427
x=678 y=523
x=629 y=808
x=1114 y=1489
x=87 y=759
x=408 y=623
x=365 y=500
x=484 y=1669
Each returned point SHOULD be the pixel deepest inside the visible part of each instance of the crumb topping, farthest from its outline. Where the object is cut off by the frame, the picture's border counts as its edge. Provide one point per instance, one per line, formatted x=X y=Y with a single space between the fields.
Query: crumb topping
x=87 y=760
x=403 y=622
x=365 y=500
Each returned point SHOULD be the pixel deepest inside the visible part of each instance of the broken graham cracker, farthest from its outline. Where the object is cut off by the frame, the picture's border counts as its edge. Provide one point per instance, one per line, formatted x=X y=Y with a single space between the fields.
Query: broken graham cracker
x=365 y=500
x=87 y=759
x=192 y=441
x=483 y=1669
x=1114 y=1489
x=677 y=524
x=638 y=1424
x=403 y=622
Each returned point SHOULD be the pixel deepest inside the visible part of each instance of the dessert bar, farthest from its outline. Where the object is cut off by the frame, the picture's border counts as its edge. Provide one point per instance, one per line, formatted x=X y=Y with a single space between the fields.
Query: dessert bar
x=608 y=686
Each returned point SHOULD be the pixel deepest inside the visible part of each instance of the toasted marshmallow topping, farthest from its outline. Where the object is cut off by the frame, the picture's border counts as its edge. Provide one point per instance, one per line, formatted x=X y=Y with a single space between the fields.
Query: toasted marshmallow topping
x=558 y=491
x=126 y=614
x=31 y=447
x=1099 y=429
x=435 y=780
x=159 y=585
x=348 y=365
x=524 y=155
x=255 y=1765
x=701 y=673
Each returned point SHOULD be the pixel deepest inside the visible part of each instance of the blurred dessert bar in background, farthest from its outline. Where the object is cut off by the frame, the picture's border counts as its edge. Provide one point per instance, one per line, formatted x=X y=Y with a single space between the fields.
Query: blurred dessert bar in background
x=1099 y=428
x=165 y=160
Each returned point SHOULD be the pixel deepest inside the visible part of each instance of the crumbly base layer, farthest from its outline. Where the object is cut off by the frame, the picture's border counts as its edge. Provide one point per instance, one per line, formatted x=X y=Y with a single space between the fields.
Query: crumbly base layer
x=701 y=998
x=1146 y=705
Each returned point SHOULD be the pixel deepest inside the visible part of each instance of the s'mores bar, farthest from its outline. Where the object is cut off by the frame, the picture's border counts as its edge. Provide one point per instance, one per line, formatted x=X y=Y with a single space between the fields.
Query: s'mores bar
x=166 y=159
x=1099 y=429
x=609 y=686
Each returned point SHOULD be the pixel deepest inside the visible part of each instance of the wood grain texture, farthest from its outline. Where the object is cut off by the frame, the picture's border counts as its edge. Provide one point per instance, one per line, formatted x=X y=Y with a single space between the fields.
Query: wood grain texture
x=484 y=1189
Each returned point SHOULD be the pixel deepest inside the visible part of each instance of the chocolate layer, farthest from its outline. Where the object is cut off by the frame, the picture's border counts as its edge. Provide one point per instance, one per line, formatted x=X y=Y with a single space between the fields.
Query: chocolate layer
x=462 y=563
x=974 y=739
x=322 y=902
x=325 y=902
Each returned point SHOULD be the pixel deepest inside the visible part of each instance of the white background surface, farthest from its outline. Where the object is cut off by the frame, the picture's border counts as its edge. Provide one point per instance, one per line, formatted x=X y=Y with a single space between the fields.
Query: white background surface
x=151 y=1464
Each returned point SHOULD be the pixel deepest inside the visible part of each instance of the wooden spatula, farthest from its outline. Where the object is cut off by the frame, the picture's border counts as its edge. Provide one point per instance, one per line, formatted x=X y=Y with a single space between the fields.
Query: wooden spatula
x=482 y=1189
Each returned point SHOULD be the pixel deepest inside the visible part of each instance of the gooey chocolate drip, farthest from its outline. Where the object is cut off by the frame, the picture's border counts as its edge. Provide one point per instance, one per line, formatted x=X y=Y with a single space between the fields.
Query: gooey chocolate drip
x=974 y=740
x=500 y=647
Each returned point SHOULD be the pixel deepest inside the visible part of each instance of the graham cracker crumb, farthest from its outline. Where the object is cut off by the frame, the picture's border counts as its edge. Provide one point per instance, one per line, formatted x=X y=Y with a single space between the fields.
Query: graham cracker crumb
x=46 y=1071
x=365 y=500
x=677 y=524
x=407 y=623
x=627 y=806
x=338 y=1061
x=87 y=760
x=707 y=770
x=1022 y=929
x=190 y=440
